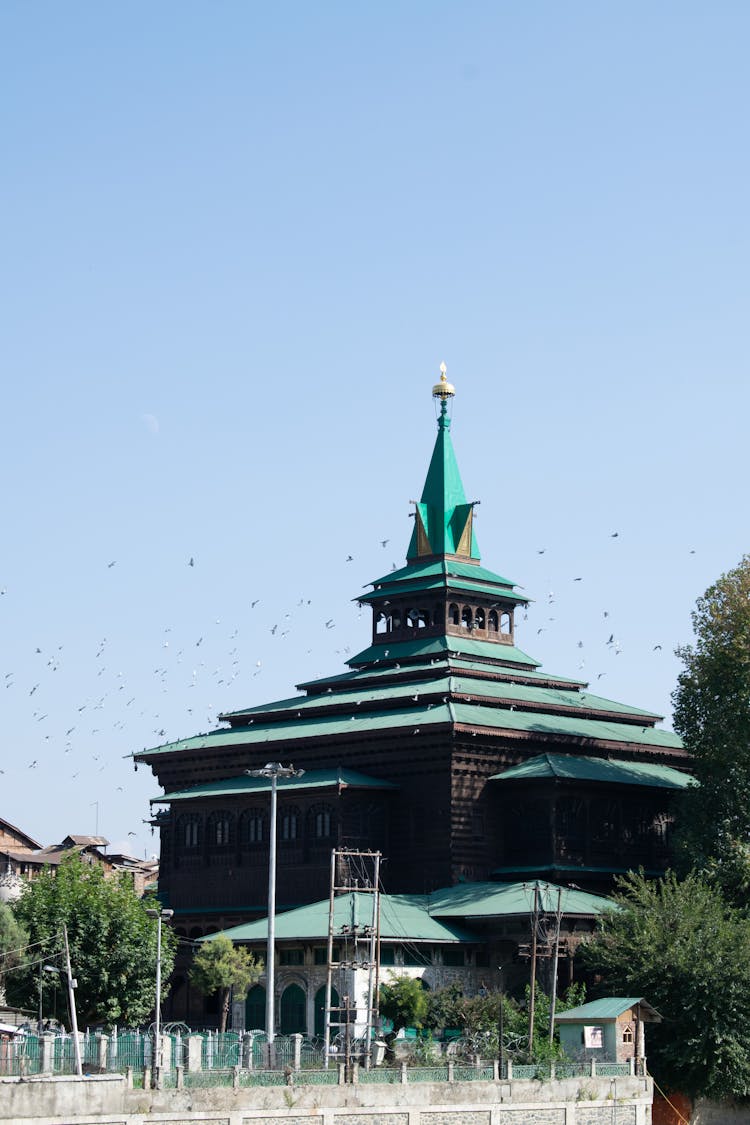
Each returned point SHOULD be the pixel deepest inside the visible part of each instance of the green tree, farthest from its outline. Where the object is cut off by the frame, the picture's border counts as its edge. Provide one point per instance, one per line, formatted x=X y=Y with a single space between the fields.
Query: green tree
x=479 y=1015
x=112 y=942
x=712 y=715
x=403 y=1001
x=219 y=966
x=13 y=942
x=686 y=950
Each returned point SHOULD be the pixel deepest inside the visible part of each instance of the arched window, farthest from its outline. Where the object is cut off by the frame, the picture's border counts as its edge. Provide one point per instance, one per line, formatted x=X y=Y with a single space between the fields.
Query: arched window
x=220 y=825
x=466 y=617
x=479 y=620
x=189 y=832
x=454 y=616
x=412 y=618
x=492 y=621
x=289 y=824
x=423 y=618
x=381 y=623
x=323 y=824
x=506 y=624
x=252 y=827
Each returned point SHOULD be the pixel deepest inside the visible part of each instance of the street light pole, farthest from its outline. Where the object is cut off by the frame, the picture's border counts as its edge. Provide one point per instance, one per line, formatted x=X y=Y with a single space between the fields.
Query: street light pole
x=161 y=916
x=272 y=771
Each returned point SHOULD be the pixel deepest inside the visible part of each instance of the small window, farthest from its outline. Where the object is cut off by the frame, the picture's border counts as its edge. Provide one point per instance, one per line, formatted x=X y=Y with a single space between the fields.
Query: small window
x=466 y=618
x=289 y=826
x=416 y=957
x=453 y=957
x=482 y=959
x=291 y=956
x=479 y=619
x=492 y=621
x=453 y=615
x=627 y=1034
x=506 y=624
x=387 y=955
x=323 y=824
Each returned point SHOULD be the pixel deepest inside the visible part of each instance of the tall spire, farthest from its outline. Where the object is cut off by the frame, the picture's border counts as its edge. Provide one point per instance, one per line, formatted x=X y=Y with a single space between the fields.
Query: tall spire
x=443 y=521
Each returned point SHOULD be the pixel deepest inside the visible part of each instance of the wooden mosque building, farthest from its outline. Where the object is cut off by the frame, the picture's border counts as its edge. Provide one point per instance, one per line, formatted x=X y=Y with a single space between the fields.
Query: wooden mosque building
x=442 y=744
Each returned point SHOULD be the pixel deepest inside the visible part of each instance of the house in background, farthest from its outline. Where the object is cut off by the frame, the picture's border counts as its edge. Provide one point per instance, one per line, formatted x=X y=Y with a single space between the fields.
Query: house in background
x=22 y=858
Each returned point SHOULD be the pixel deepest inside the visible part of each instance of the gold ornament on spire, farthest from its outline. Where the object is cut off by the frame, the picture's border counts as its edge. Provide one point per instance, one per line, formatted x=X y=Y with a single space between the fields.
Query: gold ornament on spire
x=443 y=390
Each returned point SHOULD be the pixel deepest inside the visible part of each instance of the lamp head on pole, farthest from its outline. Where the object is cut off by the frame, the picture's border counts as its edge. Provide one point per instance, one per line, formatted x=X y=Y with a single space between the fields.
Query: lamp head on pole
x=275 y=769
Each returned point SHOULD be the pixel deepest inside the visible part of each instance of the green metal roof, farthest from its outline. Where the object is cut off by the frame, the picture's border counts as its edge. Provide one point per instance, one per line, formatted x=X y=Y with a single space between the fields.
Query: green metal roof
x=610 y=771
x=440 y=684
x=421 y=714
x=445 y=569
x=536 y=722
x=495 y=900
x=607 y=1009
x=403 y=650
x=260 y=734
x=443 y=520
x=402 y=918
x=429 y=585
x=445 y=662
x=311 y=779
x=423 y=917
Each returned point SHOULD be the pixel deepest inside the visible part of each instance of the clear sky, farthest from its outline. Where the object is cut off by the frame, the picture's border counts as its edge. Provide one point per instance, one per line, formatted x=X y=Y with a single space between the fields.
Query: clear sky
x=238 y=239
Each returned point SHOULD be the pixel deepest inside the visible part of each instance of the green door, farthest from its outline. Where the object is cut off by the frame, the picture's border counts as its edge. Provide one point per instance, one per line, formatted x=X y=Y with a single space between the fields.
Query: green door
x=320 y=1010
x=255 y=1009
x=293 y=1017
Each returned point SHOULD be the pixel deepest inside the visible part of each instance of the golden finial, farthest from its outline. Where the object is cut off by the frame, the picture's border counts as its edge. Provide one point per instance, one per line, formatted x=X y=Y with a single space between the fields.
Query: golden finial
x=443 y=390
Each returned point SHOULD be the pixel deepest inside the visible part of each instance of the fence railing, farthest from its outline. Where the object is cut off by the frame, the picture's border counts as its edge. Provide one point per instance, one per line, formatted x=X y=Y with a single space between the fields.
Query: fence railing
x=211 y=1058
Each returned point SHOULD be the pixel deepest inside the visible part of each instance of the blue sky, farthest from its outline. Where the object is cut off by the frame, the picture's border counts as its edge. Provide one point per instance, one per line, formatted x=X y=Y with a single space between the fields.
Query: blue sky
x=238 y=239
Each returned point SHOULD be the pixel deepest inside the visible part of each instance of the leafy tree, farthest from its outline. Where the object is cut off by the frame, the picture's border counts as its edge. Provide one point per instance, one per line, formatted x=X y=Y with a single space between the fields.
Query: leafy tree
x=712 y=715
x=219 y=966
x=111 y=938
x=687 y=951
x=13 y=942
x=480 y=1016
x=403 y=1001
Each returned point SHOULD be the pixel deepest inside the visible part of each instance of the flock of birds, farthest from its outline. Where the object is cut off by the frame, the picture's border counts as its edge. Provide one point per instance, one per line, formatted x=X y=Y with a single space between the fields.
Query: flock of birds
x=170 y=696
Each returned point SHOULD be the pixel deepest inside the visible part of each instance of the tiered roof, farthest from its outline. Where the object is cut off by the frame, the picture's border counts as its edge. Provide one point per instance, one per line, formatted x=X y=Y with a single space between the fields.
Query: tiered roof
x=436 y=680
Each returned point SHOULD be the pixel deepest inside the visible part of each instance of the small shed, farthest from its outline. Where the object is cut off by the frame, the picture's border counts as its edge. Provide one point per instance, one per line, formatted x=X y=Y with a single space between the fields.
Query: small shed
x=610 y=1028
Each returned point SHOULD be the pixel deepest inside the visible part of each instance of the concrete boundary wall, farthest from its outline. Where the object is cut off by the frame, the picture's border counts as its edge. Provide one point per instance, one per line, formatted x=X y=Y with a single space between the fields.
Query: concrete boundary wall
x=106 y=1100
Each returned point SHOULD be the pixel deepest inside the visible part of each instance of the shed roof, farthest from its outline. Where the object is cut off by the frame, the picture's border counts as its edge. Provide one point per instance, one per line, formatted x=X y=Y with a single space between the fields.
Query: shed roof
x=607 y=1009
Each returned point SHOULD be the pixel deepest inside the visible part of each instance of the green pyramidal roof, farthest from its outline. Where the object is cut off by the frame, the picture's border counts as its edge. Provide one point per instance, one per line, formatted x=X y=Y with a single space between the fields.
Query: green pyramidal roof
x=443 y=521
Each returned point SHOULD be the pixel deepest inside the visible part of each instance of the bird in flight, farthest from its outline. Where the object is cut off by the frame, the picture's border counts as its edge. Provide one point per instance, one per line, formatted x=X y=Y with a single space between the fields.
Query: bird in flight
x=384 y=543
x=192 y=561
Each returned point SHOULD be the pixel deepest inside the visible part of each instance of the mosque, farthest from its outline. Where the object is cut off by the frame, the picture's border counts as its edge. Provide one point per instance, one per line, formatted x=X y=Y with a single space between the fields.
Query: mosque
x=442 y=746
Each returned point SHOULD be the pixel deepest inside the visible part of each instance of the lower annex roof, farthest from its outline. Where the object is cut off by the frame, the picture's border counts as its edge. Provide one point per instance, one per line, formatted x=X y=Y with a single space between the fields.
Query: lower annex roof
x=429 y=917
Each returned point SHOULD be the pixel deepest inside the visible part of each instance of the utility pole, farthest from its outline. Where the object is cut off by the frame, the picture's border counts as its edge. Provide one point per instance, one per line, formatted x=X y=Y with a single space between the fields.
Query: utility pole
x=360 y=947
x=532 y=998
x=72 y=1005
x=272 y=771
x=555 y=955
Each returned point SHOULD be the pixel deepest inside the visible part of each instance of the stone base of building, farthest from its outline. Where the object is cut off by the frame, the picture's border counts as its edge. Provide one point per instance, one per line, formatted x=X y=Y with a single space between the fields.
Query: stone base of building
x=107 y=1100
